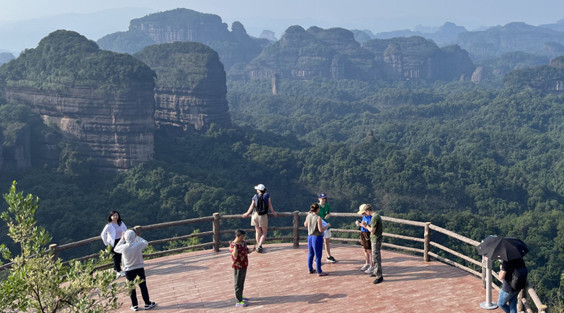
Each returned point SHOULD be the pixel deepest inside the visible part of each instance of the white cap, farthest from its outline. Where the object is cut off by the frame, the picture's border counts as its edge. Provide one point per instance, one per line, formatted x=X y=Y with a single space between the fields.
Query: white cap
x=260 y=187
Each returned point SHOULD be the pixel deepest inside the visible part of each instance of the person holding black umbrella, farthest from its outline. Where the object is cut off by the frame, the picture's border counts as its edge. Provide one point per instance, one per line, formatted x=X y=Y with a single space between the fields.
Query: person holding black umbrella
x=513 y=272
x=509 y=273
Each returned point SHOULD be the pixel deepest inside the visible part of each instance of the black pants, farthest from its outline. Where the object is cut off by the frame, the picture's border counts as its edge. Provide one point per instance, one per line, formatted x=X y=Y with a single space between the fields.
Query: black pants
x=239 y=277
x=130 y=276
x=116 y=258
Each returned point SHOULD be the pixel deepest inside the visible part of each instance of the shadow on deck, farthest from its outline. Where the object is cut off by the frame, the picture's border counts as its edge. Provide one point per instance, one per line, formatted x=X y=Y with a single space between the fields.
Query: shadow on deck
x=278 y=281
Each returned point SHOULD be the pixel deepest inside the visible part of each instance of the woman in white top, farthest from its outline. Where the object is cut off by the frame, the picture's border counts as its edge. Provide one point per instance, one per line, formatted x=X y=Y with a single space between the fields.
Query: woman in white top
x=111 y=234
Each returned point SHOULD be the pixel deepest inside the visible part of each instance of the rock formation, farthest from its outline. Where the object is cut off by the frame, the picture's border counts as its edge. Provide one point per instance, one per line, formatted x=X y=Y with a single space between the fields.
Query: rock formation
x=184 y=25
x=101 y=101
x=191 y=90
x=420 y=58
x=301 y=54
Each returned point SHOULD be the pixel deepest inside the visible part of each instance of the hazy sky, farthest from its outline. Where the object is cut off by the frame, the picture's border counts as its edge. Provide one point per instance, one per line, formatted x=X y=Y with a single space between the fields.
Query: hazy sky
x=375 y=15
x=277 y=15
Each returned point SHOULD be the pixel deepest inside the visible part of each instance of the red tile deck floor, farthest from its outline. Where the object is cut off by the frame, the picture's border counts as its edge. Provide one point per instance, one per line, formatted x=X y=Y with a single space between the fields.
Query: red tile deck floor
x=278 y=281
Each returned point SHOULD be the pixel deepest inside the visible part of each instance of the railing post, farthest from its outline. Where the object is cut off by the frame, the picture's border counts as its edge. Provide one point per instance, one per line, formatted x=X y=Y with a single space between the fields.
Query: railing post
x=216 y=237
x=519 y=303
x=488 y=305
x=426 y=242
x=296 y=231
x=53 y=248
x=138 y=230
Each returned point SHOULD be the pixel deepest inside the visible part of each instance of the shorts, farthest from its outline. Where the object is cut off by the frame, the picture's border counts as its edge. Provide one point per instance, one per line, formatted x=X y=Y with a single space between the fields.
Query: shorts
x=327 y=234
x=259 y=220
x=365 y=240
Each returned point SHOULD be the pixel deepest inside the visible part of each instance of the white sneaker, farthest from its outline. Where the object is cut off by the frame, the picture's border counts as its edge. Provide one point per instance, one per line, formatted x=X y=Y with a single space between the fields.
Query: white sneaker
x=365 y=267
x=118 y=275
x=122 y=273
x=369 y=270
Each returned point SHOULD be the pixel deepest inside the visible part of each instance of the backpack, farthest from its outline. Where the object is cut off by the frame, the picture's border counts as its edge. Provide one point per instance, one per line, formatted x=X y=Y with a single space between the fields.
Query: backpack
x=519 y=278
x=261 y=205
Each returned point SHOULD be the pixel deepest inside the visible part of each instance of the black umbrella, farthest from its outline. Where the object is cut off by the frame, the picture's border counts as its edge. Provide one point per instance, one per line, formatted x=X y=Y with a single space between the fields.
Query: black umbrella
x=503 y=248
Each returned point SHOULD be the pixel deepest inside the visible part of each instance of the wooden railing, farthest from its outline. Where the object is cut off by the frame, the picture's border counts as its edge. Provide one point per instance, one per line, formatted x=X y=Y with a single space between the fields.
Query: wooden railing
x=216 y=233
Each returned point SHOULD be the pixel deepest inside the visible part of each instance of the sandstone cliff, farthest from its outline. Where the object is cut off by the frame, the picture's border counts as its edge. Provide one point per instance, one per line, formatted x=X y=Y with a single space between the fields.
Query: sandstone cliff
x=191 y=90
x=545 y=78
x=234 y=46
x=420 y=58
x=301 y=54
x=101 y=101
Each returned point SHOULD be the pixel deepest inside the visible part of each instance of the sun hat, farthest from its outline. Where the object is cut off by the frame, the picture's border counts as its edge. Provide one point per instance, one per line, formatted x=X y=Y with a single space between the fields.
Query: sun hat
x=260 y=187
x=363 y=208
x=322 y=196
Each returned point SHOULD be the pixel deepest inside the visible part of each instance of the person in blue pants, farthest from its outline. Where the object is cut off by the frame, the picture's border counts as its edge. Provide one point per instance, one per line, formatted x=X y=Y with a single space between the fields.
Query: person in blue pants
x=315 y=231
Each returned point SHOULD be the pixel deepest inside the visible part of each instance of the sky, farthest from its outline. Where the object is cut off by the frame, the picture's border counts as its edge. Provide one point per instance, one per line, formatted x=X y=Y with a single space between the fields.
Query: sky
x=277 y=15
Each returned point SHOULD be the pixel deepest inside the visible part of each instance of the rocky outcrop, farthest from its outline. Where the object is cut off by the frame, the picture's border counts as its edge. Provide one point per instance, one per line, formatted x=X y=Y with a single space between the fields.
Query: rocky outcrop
x=102 y=102
x=496 y=41
x=184 y=25
x=191 y=90
x=300 y=54
x=545 y=78
x=420 y=58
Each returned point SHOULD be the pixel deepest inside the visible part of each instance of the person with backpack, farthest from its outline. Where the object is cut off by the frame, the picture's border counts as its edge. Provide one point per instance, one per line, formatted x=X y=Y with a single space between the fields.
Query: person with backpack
x=260 y=204
x=513 y=274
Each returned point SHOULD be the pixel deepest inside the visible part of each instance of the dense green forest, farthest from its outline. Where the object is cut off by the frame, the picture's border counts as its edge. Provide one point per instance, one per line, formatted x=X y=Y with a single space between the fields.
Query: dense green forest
x=475 y=160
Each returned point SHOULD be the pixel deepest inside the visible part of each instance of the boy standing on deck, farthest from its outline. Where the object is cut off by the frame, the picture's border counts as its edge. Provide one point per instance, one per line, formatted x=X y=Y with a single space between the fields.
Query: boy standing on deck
x=131 y=247
x=239 y=252
x=324 y=213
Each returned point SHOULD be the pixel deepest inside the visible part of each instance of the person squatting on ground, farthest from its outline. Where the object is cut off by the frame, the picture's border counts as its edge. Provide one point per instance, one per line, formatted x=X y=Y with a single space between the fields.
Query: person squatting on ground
x=507 y=300
x=325 y=213
x=111 y=234
x=365 y=240
x=240 y=262
x=375 y=229
x=259 y=218
x=131 y=247
x=315 y=231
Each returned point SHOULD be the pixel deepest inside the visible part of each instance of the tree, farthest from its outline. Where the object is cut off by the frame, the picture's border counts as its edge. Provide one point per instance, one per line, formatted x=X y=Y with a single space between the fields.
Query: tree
x=40 y=282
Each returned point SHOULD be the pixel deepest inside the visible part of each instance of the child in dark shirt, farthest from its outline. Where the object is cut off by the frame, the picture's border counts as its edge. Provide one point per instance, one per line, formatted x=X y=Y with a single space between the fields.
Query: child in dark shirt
x=239 y=252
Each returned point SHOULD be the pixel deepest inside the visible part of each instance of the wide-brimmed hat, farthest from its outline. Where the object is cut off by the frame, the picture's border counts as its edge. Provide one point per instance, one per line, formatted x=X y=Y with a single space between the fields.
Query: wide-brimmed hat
x=260 y=187
x=363 y=208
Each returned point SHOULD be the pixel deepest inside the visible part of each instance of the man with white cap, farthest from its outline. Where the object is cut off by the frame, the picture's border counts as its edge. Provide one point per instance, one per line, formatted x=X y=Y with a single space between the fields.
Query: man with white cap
x=260 y=204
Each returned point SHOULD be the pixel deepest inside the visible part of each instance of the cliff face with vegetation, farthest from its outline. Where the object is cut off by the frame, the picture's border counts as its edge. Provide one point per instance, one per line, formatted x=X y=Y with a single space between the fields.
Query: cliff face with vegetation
x=335 y=54
x=419 y=58
x=102 y=102
x=545 y=78
x=234 y=46
x=190 y=92
x=305 y=54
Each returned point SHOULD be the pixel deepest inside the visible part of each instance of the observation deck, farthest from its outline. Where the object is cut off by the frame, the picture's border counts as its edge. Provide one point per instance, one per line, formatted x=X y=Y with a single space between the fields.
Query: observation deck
x=278 y=281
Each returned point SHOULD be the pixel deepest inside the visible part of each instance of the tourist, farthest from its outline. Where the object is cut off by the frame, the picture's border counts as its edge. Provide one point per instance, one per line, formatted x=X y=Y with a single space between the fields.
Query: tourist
x=507 y=300
x=324 y=213
x=131 y=246
x=240 y=262
x=365 y=239
x=260 y=204
x=315 y=231
x=375 y=228
x=111 y=234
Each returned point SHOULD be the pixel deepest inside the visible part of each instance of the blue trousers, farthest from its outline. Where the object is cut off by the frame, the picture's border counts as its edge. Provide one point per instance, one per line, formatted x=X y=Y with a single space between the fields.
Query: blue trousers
x=315 y=247
x=507 y=301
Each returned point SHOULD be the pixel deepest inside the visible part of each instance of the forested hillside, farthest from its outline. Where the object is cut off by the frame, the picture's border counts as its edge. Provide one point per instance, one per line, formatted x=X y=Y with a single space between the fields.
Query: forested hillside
x=473 y=160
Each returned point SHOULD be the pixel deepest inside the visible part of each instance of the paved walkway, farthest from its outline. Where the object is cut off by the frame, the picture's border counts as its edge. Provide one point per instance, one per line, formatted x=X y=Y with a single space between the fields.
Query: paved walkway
x=278 y=281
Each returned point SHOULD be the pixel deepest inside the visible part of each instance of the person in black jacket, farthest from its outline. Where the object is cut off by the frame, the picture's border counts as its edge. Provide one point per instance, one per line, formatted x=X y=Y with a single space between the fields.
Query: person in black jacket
x=507 y=300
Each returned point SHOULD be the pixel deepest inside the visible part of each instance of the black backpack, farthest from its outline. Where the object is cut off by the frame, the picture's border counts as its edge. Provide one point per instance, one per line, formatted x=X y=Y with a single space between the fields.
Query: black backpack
x=519 y=278
x=262 y=206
